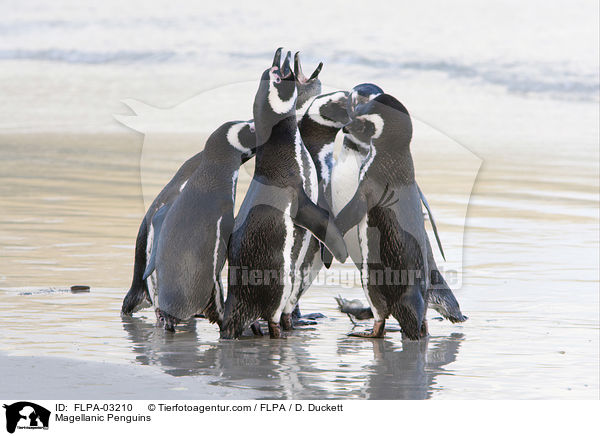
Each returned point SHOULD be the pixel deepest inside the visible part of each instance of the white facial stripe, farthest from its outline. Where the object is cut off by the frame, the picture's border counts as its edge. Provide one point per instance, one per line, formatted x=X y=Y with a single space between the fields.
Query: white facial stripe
x=301 y=110
x=314 y=111
x=377 y=122
x=278 y=105
x=234 y=139
x=182 y=186
x=358 y=141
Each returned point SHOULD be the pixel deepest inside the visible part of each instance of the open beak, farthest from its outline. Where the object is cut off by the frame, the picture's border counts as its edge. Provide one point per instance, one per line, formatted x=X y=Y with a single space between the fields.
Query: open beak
x=286 y=69
x=300 y=77
x=277 y=58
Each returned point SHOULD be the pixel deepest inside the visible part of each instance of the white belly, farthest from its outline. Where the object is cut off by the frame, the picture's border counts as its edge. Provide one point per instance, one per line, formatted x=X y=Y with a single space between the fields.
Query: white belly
x=344 y=182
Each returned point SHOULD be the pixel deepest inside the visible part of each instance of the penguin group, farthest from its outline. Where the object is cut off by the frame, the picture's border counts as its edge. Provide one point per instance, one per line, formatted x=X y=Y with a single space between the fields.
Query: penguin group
x=302 y=209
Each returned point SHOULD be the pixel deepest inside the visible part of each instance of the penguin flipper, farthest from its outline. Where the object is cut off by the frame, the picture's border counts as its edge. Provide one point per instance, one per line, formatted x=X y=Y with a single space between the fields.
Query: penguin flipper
x=353 y=212
x=326 y=256
x=157 y=222
x=442 y=299
x=318 y=221
x=435 y=231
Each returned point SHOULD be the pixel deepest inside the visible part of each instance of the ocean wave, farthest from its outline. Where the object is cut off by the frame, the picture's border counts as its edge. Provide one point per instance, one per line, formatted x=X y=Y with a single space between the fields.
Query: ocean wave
x=89 y=57
x=557 y=81
x=525 y=78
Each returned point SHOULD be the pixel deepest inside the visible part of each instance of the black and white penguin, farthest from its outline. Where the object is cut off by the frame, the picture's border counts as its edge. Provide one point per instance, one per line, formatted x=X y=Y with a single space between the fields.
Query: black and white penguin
x=319 y=126
x=191 y=248
x=138 y=296
x=278 y=216
x=308 y=87
x=344 y=175
x=344 y=183
x=387 y=210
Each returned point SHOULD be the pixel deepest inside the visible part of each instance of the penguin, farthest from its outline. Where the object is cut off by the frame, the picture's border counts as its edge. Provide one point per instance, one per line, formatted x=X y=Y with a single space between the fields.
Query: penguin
x=344 y=181
x=188 y=256
x=138 y=297
x=308 y=88
x=278 y=215
x=350 y=159
x=387 y=210
x=344 y=175
x=319 y=126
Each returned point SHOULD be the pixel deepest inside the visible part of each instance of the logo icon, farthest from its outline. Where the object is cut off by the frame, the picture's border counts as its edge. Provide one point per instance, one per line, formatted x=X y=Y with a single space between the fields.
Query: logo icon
x=26 y=415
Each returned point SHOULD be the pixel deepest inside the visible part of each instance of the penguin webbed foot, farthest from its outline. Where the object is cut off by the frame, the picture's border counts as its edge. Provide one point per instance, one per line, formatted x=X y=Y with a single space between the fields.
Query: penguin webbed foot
x=275 y=330
x=286 y=322
x=299 y=320
x=378 y=331
x=304 y=322
x=255 y=327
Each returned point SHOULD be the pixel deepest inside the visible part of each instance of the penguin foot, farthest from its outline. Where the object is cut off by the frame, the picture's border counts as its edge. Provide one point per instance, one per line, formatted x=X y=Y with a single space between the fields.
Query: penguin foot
x=313 y=316
x=256 y=329
x=286 y=322
x=304 y=322
x=378 y=331
x=457 y=319
x=424 y=332
x=165 y=320
x=275 y=330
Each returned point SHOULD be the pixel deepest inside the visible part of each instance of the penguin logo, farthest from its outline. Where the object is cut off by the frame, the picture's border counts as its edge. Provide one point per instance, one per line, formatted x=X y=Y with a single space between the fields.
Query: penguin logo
x=26 y=415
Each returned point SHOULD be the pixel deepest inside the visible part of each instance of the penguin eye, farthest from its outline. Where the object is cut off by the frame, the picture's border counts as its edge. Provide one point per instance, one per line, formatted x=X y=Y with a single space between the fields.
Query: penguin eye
x=275 y=75
x=251 y=128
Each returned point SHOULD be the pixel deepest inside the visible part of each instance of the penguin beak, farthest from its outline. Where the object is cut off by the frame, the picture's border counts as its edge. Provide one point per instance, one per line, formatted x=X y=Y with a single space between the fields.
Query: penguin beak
x=315 y=73
x=286 y=70
x=277 y=58
x=300 y=77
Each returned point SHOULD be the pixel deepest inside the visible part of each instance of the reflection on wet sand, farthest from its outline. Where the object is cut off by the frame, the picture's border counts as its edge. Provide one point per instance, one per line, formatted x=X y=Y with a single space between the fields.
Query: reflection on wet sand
x=286 y=369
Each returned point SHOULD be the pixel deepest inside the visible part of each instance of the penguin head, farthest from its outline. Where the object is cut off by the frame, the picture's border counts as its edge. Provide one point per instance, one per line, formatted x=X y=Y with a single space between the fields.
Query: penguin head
x=362 y=94
x=308 y=87
x=241 y=136
x=381 y=121
x=275 y=99
x=330 y=109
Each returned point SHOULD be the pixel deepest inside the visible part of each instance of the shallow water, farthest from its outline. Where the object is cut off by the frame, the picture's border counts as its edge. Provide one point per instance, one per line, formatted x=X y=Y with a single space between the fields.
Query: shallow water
x=71 y=208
